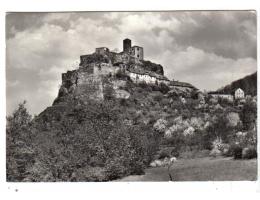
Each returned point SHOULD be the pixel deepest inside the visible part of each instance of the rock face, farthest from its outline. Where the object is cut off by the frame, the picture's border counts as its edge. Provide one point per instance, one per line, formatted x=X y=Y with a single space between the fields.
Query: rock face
x=80 y=84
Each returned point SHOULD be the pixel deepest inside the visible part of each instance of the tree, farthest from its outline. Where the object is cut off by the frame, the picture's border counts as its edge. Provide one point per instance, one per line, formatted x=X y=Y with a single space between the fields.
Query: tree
x=248 y=115
x=18 y=150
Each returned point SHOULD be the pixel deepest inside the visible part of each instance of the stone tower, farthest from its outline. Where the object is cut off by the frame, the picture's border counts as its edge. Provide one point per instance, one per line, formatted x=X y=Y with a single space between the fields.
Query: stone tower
x=126 y=45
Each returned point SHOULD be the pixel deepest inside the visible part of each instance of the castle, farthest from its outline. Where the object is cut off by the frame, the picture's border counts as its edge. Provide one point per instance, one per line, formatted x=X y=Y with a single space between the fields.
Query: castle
x=105 y=63
x=134 y=51
x=130 y=60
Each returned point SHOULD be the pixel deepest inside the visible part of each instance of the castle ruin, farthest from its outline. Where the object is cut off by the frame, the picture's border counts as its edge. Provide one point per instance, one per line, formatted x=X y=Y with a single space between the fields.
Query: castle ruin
x=105 y=63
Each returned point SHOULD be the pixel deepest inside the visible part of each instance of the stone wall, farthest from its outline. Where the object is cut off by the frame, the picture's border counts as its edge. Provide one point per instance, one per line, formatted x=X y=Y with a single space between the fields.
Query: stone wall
x=137 y=52
x=89 y=87
x=103 y=69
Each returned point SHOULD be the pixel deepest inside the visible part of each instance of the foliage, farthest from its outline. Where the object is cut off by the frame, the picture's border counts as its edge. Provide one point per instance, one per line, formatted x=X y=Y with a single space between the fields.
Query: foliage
x=236 y=151
x=232 y=119
x=19 y=154
x=160 y=125
x=122 y=75
x=249 y=152
x=86 y=139
x=164 y=88
x=248 y=115
x=158 y=97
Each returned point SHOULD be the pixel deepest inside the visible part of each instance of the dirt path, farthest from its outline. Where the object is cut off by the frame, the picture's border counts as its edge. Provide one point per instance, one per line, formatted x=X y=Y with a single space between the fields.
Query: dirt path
x=202 y=169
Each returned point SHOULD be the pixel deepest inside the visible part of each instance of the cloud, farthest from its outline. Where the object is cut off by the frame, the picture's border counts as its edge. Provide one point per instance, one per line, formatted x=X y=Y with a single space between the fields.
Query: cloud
x=229 y=33
x=205 y=70
x=207 y=49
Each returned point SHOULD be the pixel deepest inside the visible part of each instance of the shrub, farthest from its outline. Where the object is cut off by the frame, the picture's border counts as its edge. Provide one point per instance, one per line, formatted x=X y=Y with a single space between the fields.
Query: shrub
x=236 y=151
x=215 y=152
x=114 y=169
x=109 y=92
x=163 y=154
x=123 y=102
x=158 y=97
x=167 y=152
x=249 y=152
x=248 y=115
x=164 y=88
x=232 y=119
x=160 y=125
x=145 y=86
x=121 y=75
x=186 y=114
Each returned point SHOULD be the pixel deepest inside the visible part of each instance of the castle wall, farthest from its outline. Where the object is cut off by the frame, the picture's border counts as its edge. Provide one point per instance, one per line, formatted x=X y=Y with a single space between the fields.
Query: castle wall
x=122 y=58
x=102 y=50
x=105 y=69
x=69 y=78
x=137 y=52
x=85 y=59
x=89 y=86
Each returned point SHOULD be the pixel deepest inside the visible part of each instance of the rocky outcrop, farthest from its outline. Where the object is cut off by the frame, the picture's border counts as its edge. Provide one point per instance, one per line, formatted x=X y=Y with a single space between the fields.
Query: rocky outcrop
x=153 y=67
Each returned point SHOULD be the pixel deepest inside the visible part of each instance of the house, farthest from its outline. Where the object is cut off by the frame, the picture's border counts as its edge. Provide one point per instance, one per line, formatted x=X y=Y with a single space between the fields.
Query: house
x=138 y=75
x=239 y=94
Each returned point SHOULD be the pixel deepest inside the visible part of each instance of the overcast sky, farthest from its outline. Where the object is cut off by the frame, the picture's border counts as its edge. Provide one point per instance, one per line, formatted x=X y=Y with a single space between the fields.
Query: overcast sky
x=206 y=49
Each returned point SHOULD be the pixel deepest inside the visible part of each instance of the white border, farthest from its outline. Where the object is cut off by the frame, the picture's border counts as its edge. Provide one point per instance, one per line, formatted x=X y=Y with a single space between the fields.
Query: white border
x=113 y=190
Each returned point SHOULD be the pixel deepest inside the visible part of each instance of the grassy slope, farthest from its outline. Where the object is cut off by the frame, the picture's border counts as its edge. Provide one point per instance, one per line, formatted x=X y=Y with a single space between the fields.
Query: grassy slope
x=203 y=169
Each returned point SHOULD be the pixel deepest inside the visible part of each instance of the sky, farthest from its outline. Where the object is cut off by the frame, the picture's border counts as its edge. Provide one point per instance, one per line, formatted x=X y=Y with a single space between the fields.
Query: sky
x=208 y=49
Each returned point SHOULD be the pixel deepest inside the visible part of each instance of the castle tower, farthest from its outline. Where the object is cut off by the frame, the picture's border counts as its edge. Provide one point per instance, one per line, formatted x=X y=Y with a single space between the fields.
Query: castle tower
x=126 y=45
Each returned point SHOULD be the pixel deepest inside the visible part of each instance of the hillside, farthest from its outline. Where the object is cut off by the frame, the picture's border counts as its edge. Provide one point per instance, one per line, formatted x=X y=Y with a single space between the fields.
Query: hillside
x=248 y=84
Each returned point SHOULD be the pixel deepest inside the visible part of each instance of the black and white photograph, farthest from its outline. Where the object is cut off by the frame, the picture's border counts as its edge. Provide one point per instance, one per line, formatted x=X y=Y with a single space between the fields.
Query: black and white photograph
x=131 y=96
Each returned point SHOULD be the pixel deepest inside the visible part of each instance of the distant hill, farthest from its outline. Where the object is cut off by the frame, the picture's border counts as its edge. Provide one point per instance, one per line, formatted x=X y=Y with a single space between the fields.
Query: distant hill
x=248 y=84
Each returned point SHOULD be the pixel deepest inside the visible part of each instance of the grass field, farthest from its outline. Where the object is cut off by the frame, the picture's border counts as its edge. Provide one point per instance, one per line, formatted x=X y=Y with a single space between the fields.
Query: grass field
x=202 y=169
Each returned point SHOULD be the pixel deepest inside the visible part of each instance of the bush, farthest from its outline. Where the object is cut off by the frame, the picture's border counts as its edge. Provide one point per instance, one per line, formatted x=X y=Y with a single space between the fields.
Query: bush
x=236 y=151
x=248 y=115
x=145 y=86
x=160 y=125
x=164 y=88
x=121 y=75
x=114 y=169
x=249 y=152
x=158 y=97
